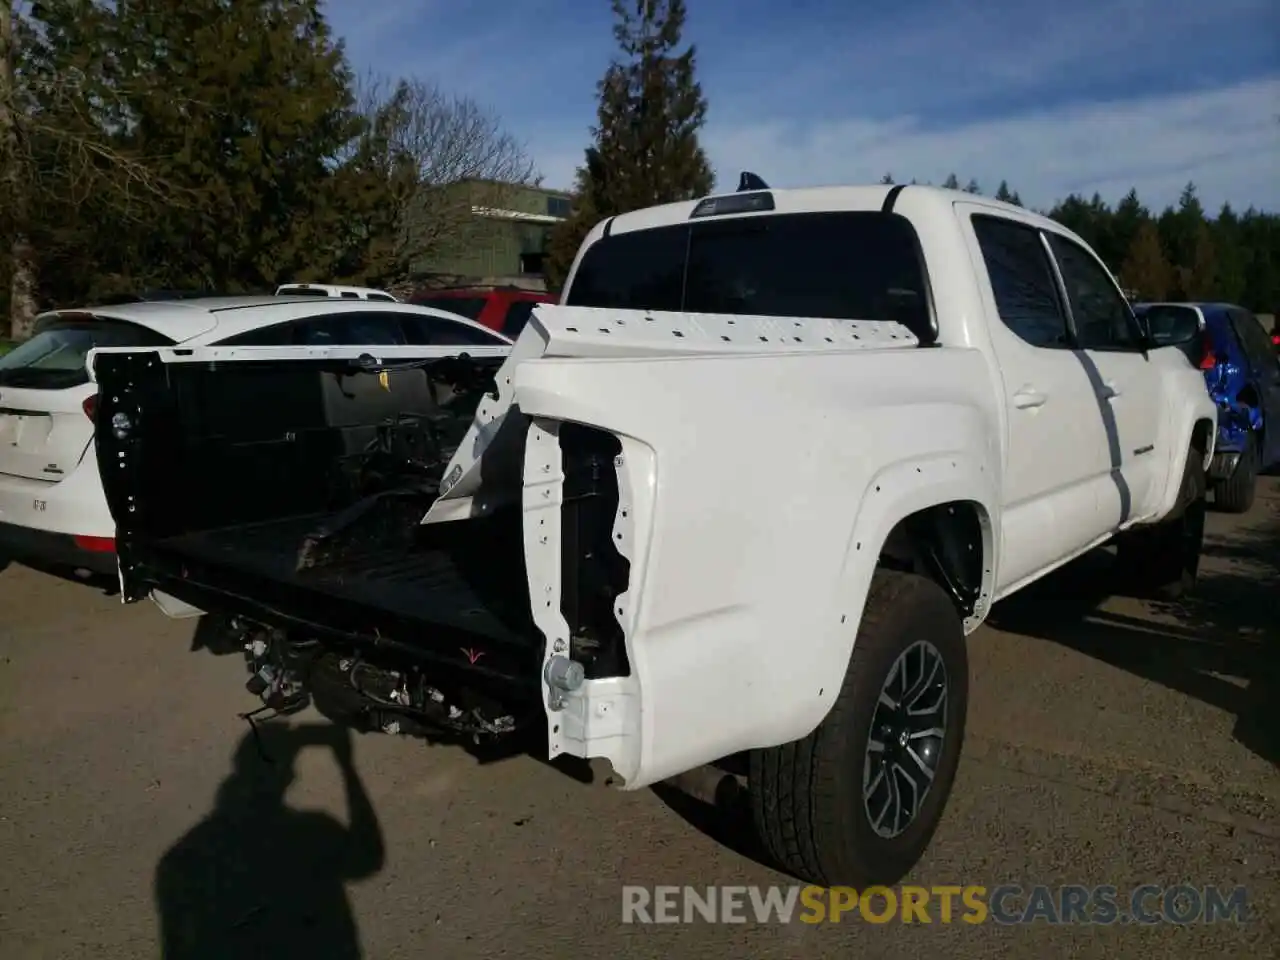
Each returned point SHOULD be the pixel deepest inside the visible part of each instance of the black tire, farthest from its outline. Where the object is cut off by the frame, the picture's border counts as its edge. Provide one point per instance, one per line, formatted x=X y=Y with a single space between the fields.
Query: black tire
x=807 y=796
x=1235 y=494
x=1161 y=561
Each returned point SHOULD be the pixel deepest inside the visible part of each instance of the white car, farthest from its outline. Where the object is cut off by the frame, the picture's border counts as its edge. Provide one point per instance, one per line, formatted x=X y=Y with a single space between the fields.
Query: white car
x=334 y=290
x=52 y=511
x=745 y=491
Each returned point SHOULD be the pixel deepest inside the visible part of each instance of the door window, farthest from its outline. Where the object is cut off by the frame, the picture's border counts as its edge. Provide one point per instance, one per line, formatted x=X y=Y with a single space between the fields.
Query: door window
x=1102 y=317
x=1253 y=338
x=1022 y=281
x=518 y=315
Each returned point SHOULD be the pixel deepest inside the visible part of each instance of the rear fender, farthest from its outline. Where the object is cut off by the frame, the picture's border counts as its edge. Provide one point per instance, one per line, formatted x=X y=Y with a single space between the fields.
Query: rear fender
x=742 y=519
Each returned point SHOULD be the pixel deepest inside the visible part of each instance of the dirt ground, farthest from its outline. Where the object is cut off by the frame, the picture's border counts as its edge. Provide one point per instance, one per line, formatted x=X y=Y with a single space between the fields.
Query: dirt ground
x=1110 y=742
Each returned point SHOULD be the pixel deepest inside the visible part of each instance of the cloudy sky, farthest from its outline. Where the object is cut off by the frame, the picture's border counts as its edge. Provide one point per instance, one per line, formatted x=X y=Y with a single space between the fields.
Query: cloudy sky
x=1056 y=97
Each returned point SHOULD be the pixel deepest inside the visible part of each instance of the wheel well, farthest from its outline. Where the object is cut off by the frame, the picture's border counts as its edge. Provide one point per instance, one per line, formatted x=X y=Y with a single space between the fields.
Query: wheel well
x=1200 y=435
x=945 y=543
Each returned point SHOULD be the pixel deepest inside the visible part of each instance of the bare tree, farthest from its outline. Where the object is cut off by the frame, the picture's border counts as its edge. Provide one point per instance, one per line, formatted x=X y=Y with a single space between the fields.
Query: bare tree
x=447 y=158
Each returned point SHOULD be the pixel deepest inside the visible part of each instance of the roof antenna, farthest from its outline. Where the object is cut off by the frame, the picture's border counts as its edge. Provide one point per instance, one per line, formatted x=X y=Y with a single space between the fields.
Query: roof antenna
x=749 y=181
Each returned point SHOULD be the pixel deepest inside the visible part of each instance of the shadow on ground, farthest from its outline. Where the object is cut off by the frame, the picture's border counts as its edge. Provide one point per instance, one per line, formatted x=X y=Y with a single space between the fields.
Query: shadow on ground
x=258 y=879
x=108 y=585
x=1223 y=647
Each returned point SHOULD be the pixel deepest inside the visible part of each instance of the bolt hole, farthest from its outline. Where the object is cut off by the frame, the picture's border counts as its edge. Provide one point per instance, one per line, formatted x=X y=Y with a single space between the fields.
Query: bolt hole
x=556 y=728
x=844 y=617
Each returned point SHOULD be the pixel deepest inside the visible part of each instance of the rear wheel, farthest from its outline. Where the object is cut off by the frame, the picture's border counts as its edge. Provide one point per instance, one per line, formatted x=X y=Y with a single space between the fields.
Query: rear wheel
x=1235 y=493
x=1162 y=560
x=857 y=801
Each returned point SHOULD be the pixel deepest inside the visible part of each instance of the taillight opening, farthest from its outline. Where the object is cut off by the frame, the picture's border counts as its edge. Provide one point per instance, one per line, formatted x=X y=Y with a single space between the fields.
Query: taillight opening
x=96 y=544
x=90 y=405
x=1208 y=359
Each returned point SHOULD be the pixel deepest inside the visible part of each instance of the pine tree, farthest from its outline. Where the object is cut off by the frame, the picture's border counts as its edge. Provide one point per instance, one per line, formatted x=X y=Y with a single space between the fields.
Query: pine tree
x=1199 y=280
x=250 y=102
x=1145 y=268
x=972 y=186
x=1003 y=194
x=887 y=178
x=1231 y=259
x=645 y=147
x=951 y=183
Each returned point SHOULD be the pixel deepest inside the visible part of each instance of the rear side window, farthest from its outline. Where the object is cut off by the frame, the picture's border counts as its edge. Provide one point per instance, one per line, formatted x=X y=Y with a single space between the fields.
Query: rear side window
x=54 y=358
x=844 y=266
x=469 y=307
x=441 y=332
x=276 y=335
x=1022 y=281
x=379 y=329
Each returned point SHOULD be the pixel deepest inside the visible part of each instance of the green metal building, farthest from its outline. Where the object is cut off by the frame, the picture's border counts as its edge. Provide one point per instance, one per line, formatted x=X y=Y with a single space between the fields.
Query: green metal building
x=500 y=237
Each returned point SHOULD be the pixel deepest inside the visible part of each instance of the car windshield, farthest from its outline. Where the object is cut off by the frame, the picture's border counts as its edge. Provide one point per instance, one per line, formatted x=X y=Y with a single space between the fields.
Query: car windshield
x=843 y=266
x=54 y=359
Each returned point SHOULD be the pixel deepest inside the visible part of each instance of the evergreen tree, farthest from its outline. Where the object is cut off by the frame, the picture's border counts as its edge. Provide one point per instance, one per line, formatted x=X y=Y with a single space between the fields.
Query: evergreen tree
x=972 y=186
x=645 y=147
x=250 y=104
x=1128 y=217
x=1003 y=193
x=1145 y=268
x=887 y=178
x=1199 y=279
x=1231 y=258
x=951 y=183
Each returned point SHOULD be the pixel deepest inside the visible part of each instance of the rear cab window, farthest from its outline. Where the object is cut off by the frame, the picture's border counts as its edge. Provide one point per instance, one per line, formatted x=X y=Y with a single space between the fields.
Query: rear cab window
x=855 y=265
x=54 y=357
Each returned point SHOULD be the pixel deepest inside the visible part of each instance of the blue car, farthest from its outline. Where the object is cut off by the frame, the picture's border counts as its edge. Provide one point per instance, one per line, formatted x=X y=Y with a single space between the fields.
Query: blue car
x=1242 y=372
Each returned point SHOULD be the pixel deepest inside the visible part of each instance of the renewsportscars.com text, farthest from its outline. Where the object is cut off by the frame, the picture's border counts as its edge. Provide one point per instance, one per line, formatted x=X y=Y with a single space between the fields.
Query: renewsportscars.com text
x=1006 y=904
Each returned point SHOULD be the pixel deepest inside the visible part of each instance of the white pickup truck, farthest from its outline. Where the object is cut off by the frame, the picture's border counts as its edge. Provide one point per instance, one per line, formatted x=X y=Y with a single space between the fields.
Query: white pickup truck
x=745 y=490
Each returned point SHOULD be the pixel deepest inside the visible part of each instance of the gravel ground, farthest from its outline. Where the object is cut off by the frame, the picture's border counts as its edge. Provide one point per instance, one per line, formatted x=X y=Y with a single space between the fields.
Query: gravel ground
x=1110 y=742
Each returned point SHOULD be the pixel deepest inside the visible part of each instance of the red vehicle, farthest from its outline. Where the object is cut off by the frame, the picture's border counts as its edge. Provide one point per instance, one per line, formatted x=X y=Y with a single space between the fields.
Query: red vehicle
x=504 y=309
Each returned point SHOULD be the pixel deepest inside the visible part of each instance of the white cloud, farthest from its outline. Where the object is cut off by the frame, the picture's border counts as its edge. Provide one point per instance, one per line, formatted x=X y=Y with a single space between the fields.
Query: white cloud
x=1227 y=141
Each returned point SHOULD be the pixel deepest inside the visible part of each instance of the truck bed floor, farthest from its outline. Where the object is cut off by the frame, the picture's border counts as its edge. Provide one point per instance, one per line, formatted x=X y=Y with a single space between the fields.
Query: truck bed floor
x=468 y=576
